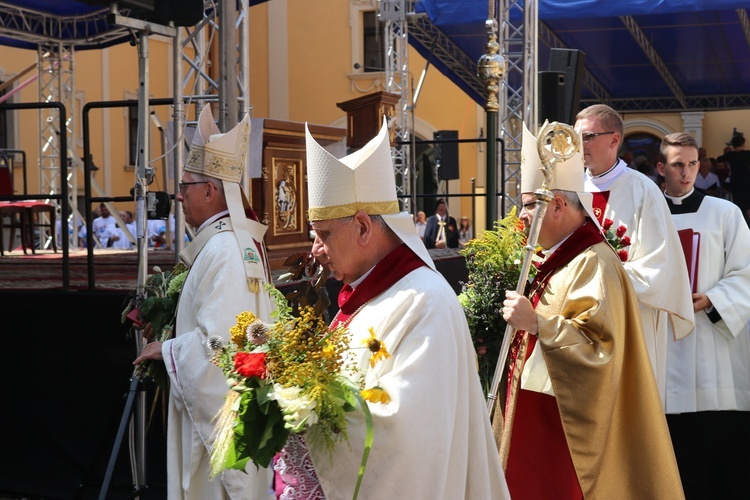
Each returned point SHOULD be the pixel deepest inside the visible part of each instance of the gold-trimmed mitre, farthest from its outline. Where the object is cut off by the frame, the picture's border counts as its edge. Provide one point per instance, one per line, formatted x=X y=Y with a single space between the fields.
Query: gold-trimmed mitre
x=218 y=155
x=223 y=156
x=363 y=180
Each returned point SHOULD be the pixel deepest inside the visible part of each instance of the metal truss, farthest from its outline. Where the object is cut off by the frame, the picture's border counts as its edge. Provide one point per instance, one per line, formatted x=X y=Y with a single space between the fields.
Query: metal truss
x=36 y=28
x=653 y=56
x=443 y=49
x=56 y=78
x=662 y=104
x=516 y=103
x=394 y=14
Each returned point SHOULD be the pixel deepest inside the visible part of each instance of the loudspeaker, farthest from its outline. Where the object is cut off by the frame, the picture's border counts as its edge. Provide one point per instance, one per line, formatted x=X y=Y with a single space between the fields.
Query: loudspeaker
x=570 y=62
x=552 y=97
x=446 y=154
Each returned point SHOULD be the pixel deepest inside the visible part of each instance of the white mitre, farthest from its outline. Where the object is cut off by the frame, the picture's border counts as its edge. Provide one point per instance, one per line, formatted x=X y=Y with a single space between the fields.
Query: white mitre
x=223 y=156
x=363 y=180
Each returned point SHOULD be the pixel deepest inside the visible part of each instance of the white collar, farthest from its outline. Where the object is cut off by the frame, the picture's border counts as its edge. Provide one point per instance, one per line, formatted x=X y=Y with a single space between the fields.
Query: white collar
x=680 y=199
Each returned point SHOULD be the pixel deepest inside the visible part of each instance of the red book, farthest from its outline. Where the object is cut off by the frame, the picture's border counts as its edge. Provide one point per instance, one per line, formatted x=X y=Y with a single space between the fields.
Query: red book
x=133 y=316
x=691 y=247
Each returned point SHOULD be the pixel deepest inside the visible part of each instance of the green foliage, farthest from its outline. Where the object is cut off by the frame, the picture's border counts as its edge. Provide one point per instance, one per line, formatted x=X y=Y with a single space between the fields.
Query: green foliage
x=266 y=434
x=494 y=263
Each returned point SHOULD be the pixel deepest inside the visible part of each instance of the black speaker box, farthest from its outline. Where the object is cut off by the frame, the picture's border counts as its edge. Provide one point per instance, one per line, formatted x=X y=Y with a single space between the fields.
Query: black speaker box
x=446 y=154
x=552 y=97
x=570 y=62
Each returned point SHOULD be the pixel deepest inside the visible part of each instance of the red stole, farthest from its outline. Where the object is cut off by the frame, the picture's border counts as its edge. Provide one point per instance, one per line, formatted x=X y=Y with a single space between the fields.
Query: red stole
x=539 y=461
x=599 y=203
x=394 y=266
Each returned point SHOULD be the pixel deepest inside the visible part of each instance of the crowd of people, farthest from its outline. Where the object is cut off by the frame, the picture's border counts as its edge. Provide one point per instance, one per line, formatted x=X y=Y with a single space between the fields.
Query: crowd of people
x=625 y=379
x=108 y=232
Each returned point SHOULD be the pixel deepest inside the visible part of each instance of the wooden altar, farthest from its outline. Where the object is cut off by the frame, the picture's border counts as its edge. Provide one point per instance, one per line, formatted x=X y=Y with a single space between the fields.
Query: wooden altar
x=280 y=194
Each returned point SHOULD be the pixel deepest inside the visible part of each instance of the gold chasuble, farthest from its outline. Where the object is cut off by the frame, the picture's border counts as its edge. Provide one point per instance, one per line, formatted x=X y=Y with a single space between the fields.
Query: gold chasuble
x=586 y=419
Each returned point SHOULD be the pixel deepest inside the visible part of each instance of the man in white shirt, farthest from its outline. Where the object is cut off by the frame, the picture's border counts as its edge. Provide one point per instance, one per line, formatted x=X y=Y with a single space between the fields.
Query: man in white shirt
x=103 y=225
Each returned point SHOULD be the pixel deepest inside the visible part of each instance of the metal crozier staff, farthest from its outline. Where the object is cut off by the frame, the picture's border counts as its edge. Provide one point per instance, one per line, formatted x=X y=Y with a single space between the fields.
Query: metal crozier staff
x=556 y=143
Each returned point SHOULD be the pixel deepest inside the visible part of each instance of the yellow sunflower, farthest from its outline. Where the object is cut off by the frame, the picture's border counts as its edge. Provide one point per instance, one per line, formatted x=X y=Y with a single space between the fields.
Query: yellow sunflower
x=376 y=347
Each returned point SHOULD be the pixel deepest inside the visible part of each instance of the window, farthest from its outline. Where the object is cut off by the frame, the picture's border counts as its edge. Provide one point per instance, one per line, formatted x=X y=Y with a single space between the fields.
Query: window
x=373 y=40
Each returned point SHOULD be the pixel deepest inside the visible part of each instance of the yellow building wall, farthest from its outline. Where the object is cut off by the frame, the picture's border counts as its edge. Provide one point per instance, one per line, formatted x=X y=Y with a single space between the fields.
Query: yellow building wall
x=314 y=54
x=99 y=75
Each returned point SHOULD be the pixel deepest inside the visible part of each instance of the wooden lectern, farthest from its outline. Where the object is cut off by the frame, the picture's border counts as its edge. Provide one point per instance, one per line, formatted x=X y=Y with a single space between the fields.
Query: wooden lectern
x=364 y=117
x=280 y=194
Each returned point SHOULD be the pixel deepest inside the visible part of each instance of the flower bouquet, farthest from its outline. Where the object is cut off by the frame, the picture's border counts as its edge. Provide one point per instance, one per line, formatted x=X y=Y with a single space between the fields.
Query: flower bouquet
x=617 y=238
x=494 y=262
x=286 y=377
x=157 y=304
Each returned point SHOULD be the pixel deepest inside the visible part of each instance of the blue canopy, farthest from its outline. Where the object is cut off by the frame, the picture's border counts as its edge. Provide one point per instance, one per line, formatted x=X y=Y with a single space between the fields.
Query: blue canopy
x=640 y=54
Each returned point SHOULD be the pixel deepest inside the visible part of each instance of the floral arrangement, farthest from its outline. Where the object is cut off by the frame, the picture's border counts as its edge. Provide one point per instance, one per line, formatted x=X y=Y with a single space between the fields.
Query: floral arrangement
x=494 y=262
x=617 y=238
x=287 y=377
x=157 y=304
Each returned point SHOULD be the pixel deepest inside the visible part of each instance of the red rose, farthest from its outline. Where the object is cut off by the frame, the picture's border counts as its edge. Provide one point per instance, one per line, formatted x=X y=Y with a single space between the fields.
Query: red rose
x=625 y=241
x=607 y=224
x=481 y=351
x=623 y=254
x=621 y=231
x=250 y=364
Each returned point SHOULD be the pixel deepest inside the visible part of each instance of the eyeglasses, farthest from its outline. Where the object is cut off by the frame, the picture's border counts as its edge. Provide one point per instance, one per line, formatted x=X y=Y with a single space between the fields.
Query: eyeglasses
x=593 y=135
x=184 y=185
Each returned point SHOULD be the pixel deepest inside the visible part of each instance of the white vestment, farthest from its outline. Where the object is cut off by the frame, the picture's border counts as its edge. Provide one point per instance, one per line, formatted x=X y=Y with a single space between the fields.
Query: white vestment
x=215 y=292
x=656 y=262
x=433 y=440
x=710 y=370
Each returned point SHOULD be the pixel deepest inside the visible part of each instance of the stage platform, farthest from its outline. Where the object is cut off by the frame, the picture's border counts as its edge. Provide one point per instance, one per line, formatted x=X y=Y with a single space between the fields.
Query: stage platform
x=66 y=368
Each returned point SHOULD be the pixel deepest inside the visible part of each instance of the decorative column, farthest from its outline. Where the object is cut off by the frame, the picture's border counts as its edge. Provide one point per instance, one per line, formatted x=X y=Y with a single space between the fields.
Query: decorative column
x=692 y=123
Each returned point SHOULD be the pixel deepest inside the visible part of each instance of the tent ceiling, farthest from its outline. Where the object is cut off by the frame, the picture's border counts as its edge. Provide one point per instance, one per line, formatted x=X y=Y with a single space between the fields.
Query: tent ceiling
x=641 y=55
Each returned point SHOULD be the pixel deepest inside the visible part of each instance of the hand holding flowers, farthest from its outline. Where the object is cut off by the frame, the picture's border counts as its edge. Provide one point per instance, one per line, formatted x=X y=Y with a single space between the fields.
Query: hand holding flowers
x=286 y=377
x=155 y=307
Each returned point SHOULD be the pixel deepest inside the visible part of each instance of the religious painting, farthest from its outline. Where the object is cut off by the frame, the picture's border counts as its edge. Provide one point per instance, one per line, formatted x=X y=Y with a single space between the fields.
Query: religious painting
x=286 y=195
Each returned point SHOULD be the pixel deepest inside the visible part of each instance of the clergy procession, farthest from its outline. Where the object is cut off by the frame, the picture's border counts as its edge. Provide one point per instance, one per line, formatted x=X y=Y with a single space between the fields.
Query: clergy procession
x=625 y=360
x=523 y=274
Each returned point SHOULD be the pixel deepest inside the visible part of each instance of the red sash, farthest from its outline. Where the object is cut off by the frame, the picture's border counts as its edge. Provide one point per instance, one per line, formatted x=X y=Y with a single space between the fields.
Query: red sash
x=394 y=266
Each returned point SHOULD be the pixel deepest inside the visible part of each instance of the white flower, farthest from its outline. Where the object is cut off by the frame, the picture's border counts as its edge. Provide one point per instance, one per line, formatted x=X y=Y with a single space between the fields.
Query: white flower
x=299 y=410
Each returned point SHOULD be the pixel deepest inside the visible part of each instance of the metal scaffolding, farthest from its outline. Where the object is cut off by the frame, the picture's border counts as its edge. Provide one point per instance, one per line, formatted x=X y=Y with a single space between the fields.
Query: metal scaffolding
x=394 y=14
x=56 y=83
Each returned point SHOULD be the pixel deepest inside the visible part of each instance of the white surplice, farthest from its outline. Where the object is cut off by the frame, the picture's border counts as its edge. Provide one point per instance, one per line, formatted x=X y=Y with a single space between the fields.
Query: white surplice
x=710 y=369
x=433 y=440
x=215 y=292
x=656 y=262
